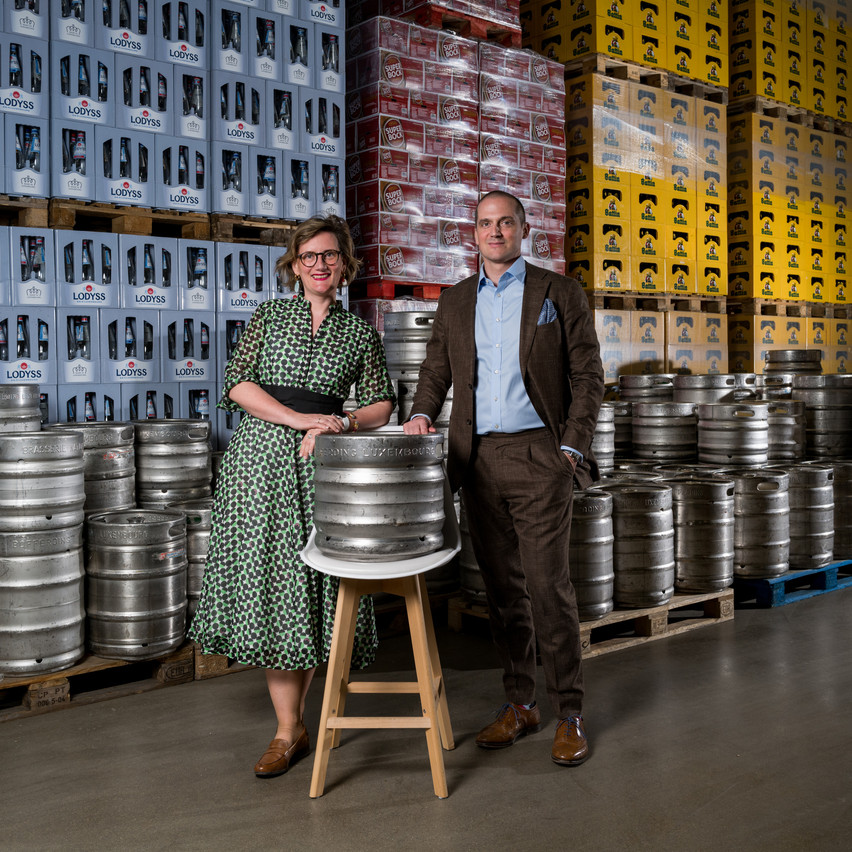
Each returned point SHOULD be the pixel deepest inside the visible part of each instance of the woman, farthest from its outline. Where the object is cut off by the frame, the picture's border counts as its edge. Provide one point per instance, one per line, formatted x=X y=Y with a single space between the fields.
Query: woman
x=291 y=371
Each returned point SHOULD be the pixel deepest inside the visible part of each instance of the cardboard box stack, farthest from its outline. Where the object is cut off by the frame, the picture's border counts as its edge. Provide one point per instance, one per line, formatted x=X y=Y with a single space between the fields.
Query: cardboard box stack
x=434 y=121
x=787 y=231
x=200 y=105
x=795 y=52
x=646 y=189
x=681 y=36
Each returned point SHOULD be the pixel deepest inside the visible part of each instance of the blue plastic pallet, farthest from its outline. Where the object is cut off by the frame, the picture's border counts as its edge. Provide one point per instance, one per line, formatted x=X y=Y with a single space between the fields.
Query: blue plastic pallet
x=794 y=585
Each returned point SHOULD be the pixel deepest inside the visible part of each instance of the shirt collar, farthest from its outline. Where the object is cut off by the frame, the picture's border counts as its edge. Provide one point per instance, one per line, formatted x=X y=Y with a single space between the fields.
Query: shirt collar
x=517 y=272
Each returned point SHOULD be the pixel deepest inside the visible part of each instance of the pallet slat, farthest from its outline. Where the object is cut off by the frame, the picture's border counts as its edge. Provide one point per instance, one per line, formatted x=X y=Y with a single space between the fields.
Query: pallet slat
x=625 y=628
x=631 y=300
x=68 y=214
x=23 y=212
x=794 y=585
x=91 y=680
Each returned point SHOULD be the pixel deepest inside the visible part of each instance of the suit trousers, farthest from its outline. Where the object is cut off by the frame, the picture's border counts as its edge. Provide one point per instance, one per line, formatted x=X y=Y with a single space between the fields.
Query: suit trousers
x=518 y=499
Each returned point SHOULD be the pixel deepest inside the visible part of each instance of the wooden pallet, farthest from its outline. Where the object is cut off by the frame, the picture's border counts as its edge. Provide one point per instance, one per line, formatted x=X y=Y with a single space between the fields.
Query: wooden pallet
x=228 y=228
x=213 y=665
x=630 y=300
x=658 y=78
x=772 y=109
x=793 y=586
x=23 y=212
x=91 y=680
x=387 y=289
x=70 y=214
x=780 y=308
x=439 y=17
x=624 y=628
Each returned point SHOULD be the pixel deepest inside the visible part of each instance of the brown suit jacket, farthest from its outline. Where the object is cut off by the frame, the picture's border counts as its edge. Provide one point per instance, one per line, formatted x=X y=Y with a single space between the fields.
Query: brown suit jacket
x=560 y=365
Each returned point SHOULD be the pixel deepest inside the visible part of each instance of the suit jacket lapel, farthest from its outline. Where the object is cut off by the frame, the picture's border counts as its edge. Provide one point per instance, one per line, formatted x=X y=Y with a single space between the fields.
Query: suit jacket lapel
x=535 y=291
x=466 y=316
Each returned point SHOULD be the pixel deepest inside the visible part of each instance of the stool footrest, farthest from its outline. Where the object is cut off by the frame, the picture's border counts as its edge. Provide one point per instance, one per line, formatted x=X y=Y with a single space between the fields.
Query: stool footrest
x=382 y=687
x=378 y=722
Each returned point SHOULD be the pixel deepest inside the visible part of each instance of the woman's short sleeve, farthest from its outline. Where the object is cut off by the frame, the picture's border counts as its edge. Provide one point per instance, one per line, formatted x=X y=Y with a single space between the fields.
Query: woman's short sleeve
x=243 y=365
x=374 y=384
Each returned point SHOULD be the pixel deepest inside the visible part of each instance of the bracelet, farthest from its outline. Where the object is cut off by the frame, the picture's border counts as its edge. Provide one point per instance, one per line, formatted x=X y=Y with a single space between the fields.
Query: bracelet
x=353 y=421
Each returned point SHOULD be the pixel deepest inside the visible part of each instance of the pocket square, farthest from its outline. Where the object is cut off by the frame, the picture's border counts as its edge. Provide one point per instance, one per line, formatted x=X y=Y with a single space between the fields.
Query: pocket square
x=548 y=313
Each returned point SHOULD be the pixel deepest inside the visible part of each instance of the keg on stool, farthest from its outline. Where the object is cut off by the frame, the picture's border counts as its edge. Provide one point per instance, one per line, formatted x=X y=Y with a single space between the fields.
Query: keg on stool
x=41 y=567
x=19 y=408
x=109 y=464
x=590 y=559
x=199 y=515
x=136 y=583
x=172 y=461
x=643 y=549
x=379 y=496
x=703 y=509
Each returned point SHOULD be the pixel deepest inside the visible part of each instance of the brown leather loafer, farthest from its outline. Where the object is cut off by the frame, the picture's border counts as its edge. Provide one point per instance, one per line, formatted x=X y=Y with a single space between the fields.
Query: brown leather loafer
x=512 y=722
x=280 y=754
x=570 y=745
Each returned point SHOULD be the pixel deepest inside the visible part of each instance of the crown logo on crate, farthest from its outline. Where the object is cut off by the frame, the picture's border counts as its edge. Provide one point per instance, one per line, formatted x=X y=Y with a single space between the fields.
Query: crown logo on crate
x=80 y=370
x=27 y=23
x=34 y=292
x=75 y=183
x=28 y=181
x=199 y=297
x=73 y=30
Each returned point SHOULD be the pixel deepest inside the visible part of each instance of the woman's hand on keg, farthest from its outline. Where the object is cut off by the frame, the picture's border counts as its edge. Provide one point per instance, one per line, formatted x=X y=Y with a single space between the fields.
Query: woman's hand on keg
x=306 y=448
x=324 y=423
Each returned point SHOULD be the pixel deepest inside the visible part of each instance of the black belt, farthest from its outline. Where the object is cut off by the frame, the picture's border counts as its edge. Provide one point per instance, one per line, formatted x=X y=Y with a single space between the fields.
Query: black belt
x=305 y=401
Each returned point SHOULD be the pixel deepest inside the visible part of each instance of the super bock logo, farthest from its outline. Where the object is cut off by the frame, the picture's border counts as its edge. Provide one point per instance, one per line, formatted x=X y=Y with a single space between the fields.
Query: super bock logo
x=393 y=71
x=393 y=260
x=491 y=148
x=393 y=198
x=541 y=245
x=394 y=133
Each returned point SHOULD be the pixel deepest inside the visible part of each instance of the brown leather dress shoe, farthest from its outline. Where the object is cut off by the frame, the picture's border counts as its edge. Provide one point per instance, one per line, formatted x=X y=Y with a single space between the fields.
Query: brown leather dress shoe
x=570 y=745
x=280 y=754
x=512 y=722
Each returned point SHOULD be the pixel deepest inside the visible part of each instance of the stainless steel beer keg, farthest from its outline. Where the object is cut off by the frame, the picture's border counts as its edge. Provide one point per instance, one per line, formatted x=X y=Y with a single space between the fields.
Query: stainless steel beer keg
x=136 y=583
x=19 y=408
x=405 y=337
x=590 y=553
x=379 y=496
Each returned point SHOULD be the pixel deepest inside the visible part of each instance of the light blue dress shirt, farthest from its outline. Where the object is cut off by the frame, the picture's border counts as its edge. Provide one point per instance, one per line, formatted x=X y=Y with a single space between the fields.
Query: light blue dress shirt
x=502 y=403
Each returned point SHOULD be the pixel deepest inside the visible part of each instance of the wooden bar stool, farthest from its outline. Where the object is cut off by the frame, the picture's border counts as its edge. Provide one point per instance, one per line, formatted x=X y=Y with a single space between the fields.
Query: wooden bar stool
x=405 y=579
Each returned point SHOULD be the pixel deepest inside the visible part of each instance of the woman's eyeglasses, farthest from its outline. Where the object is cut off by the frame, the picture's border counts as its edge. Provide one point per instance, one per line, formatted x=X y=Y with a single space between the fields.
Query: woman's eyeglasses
x=329 y=258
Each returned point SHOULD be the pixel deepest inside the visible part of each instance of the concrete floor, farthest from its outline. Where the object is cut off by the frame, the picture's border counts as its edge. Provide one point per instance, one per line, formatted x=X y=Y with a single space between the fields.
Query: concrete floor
x=734 y=737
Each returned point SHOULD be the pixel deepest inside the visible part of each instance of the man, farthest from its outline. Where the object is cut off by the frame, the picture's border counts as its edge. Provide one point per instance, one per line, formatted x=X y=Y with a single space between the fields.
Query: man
x=518 y=345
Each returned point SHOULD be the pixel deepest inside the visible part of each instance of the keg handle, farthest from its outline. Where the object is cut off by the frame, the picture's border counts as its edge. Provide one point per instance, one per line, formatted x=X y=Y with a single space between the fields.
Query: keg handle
x=743 y=412
x=177 y=530
x=127 y=434
x=424 y=320
x=198 y=431
x=743 y=393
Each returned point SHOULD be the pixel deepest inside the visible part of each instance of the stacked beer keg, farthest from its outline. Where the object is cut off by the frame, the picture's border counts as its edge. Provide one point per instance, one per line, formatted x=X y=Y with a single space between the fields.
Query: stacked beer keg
x=70 y=533
x=731 y=451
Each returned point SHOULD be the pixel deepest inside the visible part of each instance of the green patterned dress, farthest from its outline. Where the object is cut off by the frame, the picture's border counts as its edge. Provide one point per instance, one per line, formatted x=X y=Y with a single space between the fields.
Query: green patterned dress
x=260 y=604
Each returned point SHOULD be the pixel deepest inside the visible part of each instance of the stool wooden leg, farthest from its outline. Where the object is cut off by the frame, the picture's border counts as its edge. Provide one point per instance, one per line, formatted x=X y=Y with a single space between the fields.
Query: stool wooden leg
x=414 y=604
x=334 y=695
x=444 y=724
